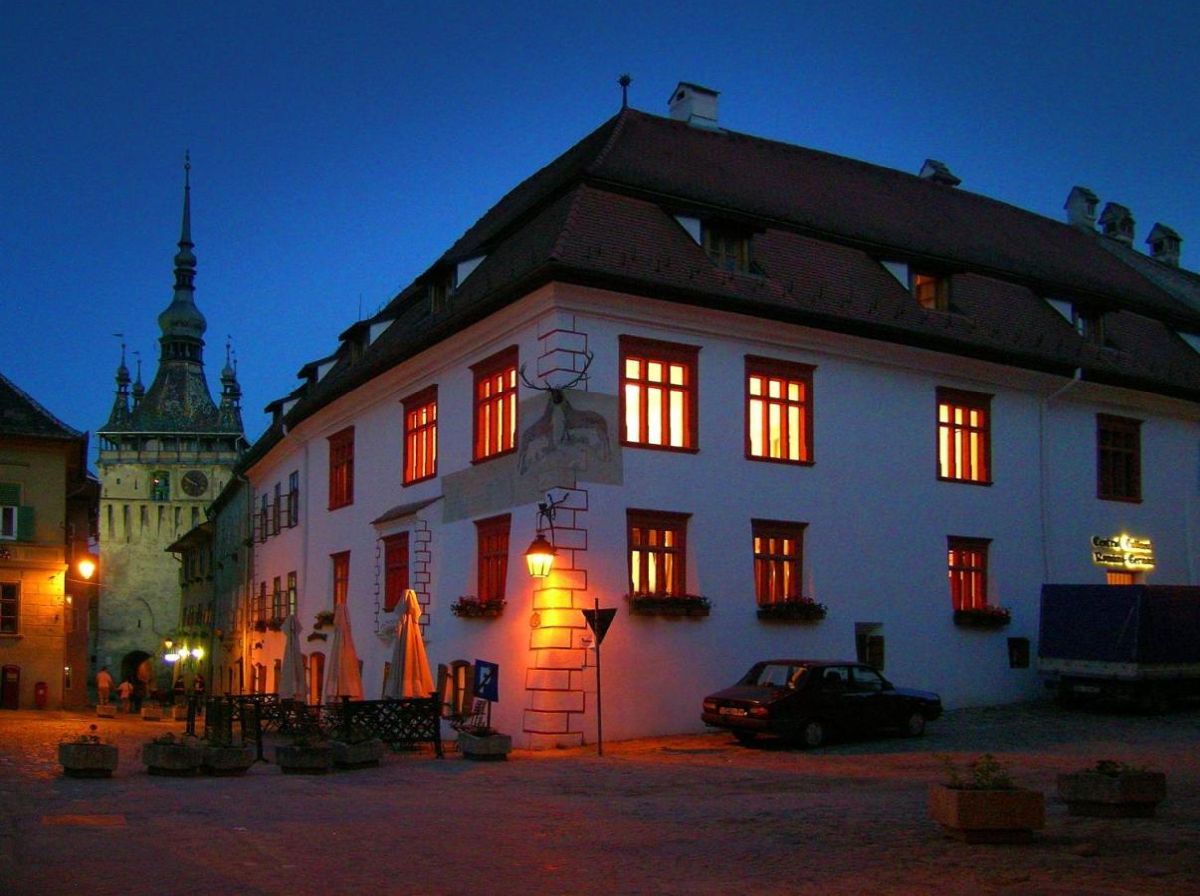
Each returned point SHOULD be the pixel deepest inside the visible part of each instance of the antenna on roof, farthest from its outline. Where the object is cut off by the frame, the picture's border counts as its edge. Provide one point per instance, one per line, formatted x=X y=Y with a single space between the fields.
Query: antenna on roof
x=625 y=81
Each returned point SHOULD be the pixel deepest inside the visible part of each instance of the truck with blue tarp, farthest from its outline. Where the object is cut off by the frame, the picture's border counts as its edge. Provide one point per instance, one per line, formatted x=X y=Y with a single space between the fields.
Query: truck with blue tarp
x=1136 y=643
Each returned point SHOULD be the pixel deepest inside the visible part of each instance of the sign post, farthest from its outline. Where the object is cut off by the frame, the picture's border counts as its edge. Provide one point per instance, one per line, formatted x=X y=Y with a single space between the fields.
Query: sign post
x=598 y=621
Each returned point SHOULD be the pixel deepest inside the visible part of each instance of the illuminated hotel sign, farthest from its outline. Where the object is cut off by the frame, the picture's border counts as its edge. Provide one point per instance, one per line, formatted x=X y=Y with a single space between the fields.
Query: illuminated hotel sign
x=1122 y=552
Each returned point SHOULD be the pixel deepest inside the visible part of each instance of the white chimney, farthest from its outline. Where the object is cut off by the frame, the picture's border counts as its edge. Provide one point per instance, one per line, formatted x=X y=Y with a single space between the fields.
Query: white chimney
x=694 y=104
x=938 y=173
x=1164 y=244
x=1081 y=208
x=1116 y=221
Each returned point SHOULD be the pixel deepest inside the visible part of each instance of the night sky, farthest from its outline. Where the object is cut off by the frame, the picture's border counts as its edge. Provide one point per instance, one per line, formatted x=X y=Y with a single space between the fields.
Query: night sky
x=339 y=148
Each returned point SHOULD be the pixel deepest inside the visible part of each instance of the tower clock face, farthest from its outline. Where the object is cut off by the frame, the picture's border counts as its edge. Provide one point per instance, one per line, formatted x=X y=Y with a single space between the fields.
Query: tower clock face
x=195 y=483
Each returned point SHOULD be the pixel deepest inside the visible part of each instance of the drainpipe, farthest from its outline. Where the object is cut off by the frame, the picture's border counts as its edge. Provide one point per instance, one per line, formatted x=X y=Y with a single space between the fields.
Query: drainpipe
x=1044 y=464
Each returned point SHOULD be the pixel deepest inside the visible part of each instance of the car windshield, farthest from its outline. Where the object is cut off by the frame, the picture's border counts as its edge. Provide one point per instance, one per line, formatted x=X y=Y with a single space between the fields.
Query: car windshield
x=776 y=675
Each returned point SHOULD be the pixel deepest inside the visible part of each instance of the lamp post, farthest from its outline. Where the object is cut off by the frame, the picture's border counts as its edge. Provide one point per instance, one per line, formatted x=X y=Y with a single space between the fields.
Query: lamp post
x=541 y=553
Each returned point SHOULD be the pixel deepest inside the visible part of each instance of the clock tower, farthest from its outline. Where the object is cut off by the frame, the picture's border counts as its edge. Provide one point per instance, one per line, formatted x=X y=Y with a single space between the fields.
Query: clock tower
x=165 y=454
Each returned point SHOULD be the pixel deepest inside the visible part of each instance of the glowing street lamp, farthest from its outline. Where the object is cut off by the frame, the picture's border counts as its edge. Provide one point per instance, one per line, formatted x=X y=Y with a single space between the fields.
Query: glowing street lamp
x=541 y=553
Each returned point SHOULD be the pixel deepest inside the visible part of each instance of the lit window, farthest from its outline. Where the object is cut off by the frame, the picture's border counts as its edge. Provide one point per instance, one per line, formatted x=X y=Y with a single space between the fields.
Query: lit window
x=160 y=486
x=778 y=561
x=395 y=569
x=657 y=553
x=341 y=468
x=931 y=291
x=420 y=436
x=493 y=557
x=293 y=499
x=728 y=247
x=10 y=606
x=291 y=593
x=1118 y=458
x=277 y=598
x=496 y=404
x=341 y=576
x=778 y=410
x=964 y=436
x=967 y=570
x=658 y=394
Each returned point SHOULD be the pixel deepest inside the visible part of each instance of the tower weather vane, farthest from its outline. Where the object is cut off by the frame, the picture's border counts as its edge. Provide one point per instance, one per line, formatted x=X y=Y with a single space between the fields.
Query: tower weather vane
x=625 y=81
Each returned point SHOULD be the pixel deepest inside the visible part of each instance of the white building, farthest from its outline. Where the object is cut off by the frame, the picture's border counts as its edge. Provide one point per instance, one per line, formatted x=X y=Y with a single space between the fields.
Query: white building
x=794 y=377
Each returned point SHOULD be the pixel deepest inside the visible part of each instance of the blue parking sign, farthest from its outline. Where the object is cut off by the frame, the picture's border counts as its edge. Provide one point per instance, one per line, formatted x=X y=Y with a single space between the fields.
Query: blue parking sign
x=487 y=681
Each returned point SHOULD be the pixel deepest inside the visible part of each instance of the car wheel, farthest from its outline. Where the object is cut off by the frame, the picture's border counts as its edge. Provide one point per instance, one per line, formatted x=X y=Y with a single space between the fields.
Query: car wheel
x=744 y=737
x=812 y=734
x=914 y=725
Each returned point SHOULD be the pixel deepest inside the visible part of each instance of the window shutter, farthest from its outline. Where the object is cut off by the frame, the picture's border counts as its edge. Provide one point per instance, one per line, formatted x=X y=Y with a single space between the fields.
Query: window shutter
x=25 y=523
x=10 y=493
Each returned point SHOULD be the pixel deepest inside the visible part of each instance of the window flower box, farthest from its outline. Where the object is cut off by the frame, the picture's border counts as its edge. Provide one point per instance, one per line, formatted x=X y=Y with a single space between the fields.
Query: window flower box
x=260 y=625
x=324 y=619
x=470 y=606
x=1113 y=790
x=803 y=610
x=317 y=636
x=668 y=605
x=983 y=617
x=275 y=624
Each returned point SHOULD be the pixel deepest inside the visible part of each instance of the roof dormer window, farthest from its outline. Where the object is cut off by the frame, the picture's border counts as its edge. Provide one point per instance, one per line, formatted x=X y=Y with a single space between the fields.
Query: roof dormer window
x=727 y=246
x=1090 y=325
x=441 y=288
x=932 y=291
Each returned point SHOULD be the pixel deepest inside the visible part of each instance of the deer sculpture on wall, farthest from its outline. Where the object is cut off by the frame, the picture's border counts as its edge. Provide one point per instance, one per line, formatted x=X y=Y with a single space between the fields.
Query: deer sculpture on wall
x=586 y=429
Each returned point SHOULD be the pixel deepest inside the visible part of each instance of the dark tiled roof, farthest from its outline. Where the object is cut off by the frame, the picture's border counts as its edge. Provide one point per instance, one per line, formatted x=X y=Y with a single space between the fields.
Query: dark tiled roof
x=21 y=415
x=603 y=214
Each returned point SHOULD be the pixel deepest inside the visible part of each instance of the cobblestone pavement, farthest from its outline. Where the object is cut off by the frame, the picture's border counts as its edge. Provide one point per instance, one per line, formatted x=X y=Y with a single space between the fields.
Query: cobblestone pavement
x=695 y=814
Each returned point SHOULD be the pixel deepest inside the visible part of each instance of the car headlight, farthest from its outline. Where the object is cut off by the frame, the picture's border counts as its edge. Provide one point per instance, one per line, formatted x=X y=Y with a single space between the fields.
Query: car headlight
x=710 y=705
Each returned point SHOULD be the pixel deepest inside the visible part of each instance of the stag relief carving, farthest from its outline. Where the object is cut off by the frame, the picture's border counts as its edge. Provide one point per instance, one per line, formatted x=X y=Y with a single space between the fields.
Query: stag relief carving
x=562 y=424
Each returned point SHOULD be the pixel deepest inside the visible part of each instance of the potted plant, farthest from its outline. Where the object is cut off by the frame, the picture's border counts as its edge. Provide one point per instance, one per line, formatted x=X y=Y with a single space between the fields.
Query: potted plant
x=324 y=619
x=985 y=806
x=85 y=756
x=171 y=755
x=668 y=604
x=1112 y=789
x=275 y=624
x=983 y=617
x=224 y=758
x=305 y=755
x=803 y=609
x=482 y=742
x=470 y=606
x=359 y=748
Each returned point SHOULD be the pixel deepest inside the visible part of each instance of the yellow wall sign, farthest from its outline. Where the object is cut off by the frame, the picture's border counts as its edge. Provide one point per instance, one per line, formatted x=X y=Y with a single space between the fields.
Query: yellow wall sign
x=1122 y=552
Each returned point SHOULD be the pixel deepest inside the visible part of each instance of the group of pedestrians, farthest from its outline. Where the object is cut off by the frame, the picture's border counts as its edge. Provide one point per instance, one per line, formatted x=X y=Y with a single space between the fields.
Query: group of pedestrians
x=132 y=694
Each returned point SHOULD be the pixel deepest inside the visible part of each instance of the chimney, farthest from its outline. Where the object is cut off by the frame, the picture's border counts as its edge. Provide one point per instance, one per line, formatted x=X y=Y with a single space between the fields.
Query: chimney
x=1116 y=221
x=1081 y=208
x=938 y=173
x=1164 y=244
x=694 y=104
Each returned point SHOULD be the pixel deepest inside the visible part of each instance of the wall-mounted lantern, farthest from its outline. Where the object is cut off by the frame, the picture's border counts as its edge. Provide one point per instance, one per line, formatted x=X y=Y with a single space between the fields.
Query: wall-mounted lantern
x=541 y=553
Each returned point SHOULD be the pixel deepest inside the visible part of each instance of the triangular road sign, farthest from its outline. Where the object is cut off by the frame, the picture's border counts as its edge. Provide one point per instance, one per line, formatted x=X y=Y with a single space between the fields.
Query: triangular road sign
x=599 y=620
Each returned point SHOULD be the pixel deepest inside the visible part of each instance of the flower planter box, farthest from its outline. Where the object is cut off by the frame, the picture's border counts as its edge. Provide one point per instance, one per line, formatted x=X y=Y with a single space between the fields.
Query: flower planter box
x=476 y=609
x=988 y=816
x=993 y=617
x=363 y=754
x=688 y=605
x=293 y=759
x=106 y=711
x=179 y=713
x=227 y=761
x=88 y=760
x=179 y=760
x=1131 y=794
x=484 y=746
x=152 y=713
x=795 y=611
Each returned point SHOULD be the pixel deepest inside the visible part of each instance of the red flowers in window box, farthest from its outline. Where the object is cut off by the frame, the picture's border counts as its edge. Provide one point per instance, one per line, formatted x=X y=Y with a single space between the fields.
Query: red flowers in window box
x=470 y=606
x=983 y=617
x=668 y=604
x=803 y=609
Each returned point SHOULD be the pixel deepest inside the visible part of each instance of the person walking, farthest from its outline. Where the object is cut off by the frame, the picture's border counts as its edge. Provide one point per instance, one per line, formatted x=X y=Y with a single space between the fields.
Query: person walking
x=125 y=692
x=104 y=683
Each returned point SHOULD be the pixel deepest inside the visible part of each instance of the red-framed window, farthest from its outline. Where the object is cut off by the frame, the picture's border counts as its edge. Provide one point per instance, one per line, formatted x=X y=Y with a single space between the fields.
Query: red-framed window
x=341 y=468
x=967 y=568
x=420 y=435
x=659 y=394
x=778 y=561
x=964 y=436
x=493 y=556
x=1118 y=458
x=395 y=569
x=340 y=563
x=778 y=410
x=932 y=291
x=496 y=404
x=657 y=553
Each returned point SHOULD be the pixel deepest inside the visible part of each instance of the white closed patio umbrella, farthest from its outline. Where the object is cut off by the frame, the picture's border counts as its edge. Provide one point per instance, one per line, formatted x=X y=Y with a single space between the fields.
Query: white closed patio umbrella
x=293 y=684
x=410 y=675
x=342 y=677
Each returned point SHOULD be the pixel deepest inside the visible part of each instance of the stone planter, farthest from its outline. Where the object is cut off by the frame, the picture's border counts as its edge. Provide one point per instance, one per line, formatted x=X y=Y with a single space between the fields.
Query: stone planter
x=178 y=759
x=988 y=816
x=362 y=754
x=80 y=760
x=484 y=746
x=152 y=713
x=227 y=760
x=106 y=711
x=179 y=713
x=312 y=759
x=1127 y=794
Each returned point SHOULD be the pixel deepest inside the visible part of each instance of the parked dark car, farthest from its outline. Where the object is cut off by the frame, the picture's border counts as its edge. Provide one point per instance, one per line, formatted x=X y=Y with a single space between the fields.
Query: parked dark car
x=808 y=700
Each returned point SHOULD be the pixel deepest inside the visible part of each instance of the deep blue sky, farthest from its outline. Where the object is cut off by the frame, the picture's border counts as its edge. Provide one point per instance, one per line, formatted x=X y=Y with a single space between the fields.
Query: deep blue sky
x=338 y=148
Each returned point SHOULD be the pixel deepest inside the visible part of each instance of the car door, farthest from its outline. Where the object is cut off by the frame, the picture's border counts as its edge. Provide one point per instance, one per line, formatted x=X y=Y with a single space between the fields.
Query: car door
x=870 y=696
x=831 y=703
